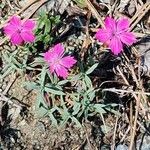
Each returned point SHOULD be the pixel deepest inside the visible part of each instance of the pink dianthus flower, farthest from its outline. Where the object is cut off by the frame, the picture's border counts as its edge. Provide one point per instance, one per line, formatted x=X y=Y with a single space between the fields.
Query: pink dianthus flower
x=20 y=31
x=57 y=62
x=116 y=34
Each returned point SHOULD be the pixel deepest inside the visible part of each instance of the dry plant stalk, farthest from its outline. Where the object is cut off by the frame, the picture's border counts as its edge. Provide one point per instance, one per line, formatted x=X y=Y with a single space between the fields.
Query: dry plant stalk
x=137 y=98
x=124 y=136
x=119 y=91
x=138 y=16
x=39 y=4
x=94 y=12
x=114 y=136
x=135 y=122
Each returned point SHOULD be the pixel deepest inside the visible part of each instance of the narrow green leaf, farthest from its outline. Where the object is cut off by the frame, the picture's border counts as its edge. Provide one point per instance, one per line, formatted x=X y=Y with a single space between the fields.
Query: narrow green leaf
x=113 y=111
x=40 y=107
x=91 y=69
x=43 y=75
x=47 y=26
x=31 y=86
x=53 y=119
x=62 y=82
x=6 y=72
x=76 y=108
x=53 y=91
x=78 y=124
x=64 y=121
x=99 y=108
x=88 y=81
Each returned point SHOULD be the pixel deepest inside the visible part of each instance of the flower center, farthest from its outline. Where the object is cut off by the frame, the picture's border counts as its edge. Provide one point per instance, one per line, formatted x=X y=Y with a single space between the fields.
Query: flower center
x=19 y=30
x=57 y=61
x=114 y=34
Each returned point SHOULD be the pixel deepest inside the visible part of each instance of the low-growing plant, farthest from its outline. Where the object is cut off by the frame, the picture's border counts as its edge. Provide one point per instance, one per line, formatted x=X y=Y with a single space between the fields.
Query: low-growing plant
x=44 y=38
x=23 y=58
x=62 y=94
x=62 y=105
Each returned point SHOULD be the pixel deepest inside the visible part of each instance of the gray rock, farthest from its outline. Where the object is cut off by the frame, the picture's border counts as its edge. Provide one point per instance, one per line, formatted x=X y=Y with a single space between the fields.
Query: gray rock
x=144 y=50
x=40 y=126
x=121 y=147
x=57 y=5
x=143 y=143
x=105 y=147
x=146 y=63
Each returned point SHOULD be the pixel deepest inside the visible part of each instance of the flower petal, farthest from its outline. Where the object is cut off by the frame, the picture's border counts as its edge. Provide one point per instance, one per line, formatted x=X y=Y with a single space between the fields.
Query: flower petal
x=16 y=39
x=61 y=71
x=29 y=24
x=15 y=21
x=58 y=49
x=55 y=53
x=51 y=56
x=116 y=45
x=68 y=61
x=127 y=38
x=52 y=68
x=27 y=36
x=123 y=24
x=9 y=29
x=103 y=35
x=110 y=24
x=46 y=56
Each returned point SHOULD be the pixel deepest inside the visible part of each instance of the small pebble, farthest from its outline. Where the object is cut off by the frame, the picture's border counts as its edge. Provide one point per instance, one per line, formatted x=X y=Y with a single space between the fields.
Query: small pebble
x=122 y=147
x=143 y=143
x=40 y=126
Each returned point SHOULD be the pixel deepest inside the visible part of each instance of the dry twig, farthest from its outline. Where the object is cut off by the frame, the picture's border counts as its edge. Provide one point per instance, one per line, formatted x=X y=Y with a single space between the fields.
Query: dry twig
x=114 y=136
x=139 y=15
x=95 y=13
x=135 y=122
x=119 y=91
x=124 y=136
x=137 y=98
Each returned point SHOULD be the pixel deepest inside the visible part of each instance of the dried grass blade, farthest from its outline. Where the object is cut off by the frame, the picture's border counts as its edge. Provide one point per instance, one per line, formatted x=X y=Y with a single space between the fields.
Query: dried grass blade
x=94 y=12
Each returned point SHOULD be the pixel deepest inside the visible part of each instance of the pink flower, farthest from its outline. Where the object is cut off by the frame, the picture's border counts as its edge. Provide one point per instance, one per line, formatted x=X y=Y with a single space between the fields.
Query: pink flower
x=116 y=34
x=19 y=31
x=59 y=63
